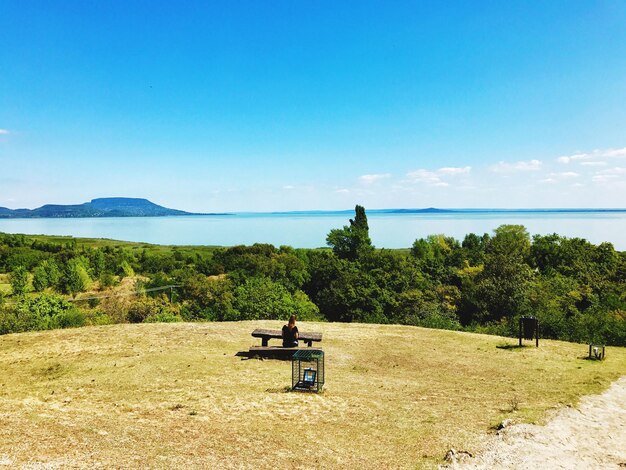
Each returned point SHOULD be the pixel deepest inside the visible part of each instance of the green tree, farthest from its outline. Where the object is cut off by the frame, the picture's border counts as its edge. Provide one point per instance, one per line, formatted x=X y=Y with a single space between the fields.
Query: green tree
x=207 y=298
x=260 y=298
x=432 y=308
x=125 y=269
x=19 y=280
x=503 y=285
x=75 y=277
x=474 y=248
x=284 y=266
x=53 y=272
x=352 y=240
x=45 y=275
x=40 y=279
x=354 y=295
x=437 y=255
x=98 y=262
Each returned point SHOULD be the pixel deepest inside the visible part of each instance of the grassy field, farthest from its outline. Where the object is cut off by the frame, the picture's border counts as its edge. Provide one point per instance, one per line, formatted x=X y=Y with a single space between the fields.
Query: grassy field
x=175 y=395
x=133 y=246
x=5 y=285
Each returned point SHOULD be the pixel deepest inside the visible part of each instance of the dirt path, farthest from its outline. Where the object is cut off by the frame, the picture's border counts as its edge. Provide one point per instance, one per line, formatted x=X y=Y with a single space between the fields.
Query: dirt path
x=592 y=436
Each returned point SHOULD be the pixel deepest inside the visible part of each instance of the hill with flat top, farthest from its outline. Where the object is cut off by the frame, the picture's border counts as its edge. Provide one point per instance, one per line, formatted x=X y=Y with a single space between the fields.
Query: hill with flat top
x=102 y=207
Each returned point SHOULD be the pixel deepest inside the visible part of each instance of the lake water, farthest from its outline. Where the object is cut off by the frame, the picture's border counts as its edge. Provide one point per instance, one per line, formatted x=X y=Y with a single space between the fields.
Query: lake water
x=309 y=230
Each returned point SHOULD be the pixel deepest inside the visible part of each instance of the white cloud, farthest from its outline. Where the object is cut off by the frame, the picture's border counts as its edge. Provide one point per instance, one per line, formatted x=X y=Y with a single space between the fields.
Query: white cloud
x=4 y=132
x=434 y=177
x=289 y=187
x=505 y=167
x=567 y=159
x=603 y=178
x=370 y=179
x=556 y=177
x=593 y=163
x=454 y=171
x=613 y=171
x=609 y=175
x=593 y=155
x=424 y=176
x=342 y=191
x=615 y=152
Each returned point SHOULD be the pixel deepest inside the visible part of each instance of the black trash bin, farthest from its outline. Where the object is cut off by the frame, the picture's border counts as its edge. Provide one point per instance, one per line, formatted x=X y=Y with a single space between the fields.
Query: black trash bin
x=528 y=329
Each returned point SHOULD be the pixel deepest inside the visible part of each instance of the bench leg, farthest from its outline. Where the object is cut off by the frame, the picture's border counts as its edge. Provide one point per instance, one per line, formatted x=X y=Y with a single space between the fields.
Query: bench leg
x=264 y=342
x=310 y=343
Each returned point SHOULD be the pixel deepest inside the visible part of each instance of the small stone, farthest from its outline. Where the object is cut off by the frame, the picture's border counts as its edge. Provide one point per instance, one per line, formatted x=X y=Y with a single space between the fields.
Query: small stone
x=450 y=455
x=454 y=456
x=504 y=424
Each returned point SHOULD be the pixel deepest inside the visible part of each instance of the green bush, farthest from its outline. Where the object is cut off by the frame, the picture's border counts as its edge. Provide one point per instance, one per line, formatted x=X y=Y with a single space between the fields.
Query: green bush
x=163 y=317
x=304 y=309
x=145 y=307
x=8 y=321
x=501 y=328
x=125 y=269
x=44 y=312
x=73 y=318
x=205 y=298
x=107 y=279
x=440 y=321
x=75 y=277
x=19 y=280
x=45 y=275
x=100 y=318
x=261 y=298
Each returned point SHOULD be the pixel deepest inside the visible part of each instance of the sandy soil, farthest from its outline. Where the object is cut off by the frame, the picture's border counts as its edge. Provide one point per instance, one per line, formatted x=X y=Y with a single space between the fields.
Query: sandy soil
x=591 y=436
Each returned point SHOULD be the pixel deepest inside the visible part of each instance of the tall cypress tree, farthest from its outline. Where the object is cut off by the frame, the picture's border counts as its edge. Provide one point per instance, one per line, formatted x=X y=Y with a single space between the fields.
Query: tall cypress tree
x=351 y=241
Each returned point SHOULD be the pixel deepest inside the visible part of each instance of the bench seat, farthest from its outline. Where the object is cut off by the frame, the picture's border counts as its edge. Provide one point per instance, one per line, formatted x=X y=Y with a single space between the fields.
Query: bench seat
x=275 y=351
x=266 y=335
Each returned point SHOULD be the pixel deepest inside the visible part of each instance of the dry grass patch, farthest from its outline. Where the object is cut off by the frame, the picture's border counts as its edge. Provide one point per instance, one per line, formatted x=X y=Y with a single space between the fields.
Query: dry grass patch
x=174 y=395
x=5 y=285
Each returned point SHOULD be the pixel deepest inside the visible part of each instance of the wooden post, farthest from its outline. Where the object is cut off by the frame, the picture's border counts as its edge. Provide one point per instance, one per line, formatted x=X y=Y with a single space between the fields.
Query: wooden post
x=537 y=332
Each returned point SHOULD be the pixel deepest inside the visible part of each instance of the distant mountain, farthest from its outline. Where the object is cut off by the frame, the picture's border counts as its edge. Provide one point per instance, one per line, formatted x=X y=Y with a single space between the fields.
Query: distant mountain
x=429 y=210
x=433 y=210
x=102 y=207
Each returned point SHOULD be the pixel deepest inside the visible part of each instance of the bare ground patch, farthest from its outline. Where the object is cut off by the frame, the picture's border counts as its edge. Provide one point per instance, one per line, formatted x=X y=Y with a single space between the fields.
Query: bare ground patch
x=591 y=435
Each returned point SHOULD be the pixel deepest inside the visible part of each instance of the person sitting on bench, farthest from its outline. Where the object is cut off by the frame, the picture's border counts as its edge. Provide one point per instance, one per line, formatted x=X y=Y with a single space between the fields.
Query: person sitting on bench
x=290 y=333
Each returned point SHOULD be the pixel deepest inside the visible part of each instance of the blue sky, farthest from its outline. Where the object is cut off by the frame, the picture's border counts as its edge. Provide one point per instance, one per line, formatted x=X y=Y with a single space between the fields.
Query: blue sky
x=262 y=106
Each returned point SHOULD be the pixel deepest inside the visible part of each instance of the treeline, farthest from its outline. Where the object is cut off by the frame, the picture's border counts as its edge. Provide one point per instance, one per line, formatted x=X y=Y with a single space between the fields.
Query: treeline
x=483 y=283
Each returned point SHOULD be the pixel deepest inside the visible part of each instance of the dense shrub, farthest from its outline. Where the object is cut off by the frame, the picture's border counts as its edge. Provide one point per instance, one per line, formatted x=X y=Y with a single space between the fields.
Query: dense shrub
x=19 y=280
x=259 y=298
x=144 y=307
x=163 y=317
x=44 y=312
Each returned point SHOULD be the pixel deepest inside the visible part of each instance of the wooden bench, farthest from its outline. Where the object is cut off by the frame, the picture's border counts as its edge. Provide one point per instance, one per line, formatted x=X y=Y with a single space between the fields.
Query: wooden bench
x=275 y=352
x=266 y=335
